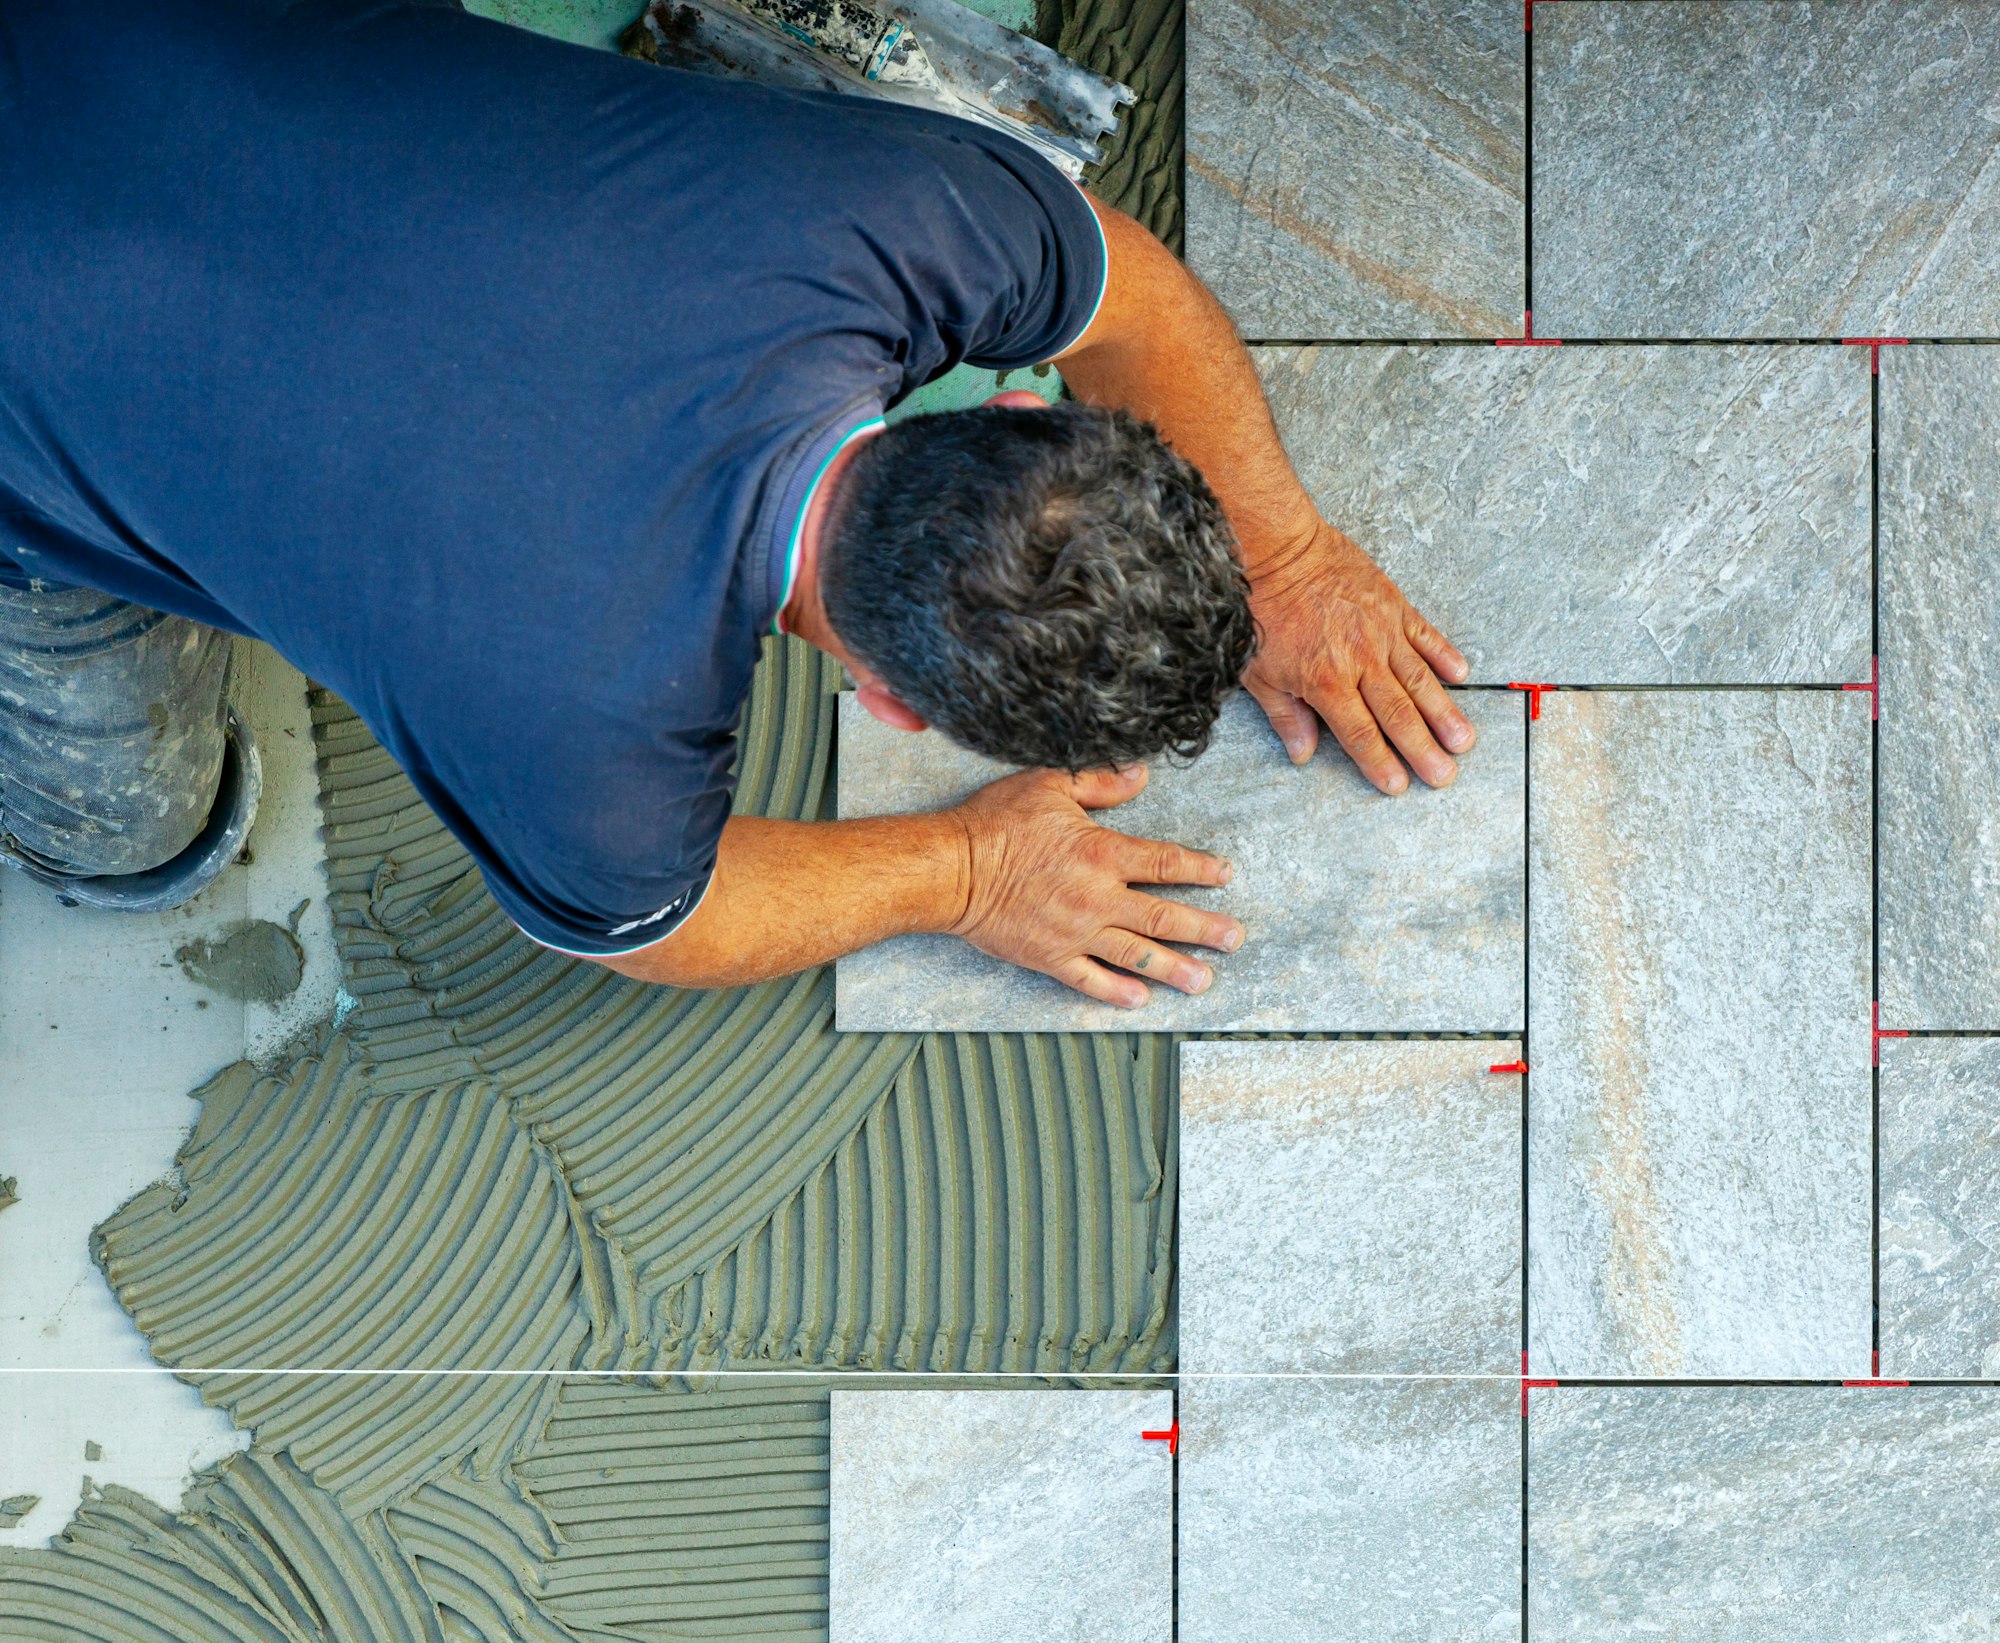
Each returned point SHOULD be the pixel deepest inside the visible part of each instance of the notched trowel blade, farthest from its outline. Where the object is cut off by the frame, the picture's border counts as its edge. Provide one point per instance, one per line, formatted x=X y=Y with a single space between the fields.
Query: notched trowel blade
x=935 y=53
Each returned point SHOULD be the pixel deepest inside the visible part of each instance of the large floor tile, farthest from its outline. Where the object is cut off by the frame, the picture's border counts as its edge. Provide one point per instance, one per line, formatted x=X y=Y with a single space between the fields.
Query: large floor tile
x=1412 y=923
x=1351 y=1207
x=1699 y=1105
x=1940 y=686
x=1763 y=1514
x=1001 y=1517
x=1602 y=515
x=1356 y=170
x=1941 y=1207
x=1349 y=1511
x=1769 y=170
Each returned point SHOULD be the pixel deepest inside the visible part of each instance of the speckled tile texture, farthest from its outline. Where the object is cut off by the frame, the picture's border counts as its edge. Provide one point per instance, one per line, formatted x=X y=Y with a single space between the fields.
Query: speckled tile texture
x=1411 y=923
x=1000 y=1517
x=1350 y=1207
x=1699 y=1108
x=1941 y=1207
x=1767 y=170
x=1940 y=461
x=1349 y=1511
x=1602 y=515
x=1763 y=1514
x=1356 y=170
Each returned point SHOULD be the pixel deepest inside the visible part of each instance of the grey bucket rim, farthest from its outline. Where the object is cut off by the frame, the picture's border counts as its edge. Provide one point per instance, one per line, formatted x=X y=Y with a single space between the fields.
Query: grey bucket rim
x=176 y=882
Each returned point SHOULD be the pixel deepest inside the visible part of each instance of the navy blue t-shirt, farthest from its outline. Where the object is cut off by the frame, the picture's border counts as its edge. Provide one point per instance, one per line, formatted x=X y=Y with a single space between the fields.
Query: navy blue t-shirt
x=483 y=376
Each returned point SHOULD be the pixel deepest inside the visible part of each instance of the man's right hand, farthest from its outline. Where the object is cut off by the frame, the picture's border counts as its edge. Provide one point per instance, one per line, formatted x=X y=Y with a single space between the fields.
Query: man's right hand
x=1051 y=890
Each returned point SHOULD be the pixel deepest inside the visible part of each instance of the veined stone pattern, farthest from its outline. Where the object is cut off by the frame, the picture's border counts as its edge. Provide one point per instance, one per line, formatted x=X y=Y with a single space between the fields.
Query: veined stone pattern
x=1940 y=689
x=1698 y=1143
x=1632 y=516
x=1357 y=170
x=1770 y=170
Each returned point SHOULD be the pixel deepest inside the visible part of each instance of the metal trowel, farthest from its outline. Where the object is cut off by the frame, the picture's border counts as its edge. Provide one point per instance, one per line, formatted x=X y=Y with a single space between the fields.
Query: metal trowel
x=934 y=53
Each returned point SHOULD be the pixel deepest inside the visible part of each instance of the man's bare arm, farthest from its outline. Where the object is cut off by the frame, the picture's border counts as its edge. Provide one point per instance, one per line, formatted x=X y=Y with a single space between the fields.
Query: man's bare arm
x=1020 y=870
x=1339 y=639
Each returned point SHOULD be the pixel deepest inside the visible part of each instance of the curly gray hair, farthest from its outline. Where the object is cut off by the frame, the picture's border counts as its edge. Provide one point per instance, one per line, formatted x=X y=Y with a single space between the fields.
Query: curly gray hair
x=1050 y=587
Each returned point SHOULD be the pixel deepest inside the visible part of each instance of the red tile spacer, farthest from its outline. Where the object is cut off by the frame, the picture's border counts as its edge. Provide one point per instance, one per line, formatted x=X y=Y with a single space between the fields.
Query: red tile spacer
x=1508 y=1067
x=1877 y=1032
x=1529 y=340
x=1171 y=1438
x=1528 y=6
x=1534 y=696
x=1873 y=687
x=1874 y=345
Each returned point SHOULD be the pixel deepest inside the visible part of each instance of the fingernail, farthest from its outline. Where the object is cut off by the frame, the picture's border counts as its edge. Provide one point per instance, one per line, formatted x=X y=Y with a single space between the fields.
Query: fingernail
x=1296 y=752
x=1398 y=782
x=1459 y=670
x=1228 y=871
x=1232 y=940
x=1201 y=981
x=1458 y=738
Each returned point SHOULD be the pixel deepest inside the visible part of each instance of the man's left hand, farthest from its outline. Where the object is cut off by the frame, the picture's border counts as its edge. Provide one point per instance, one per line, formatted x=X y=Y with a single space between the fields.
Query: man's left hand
x=1341 y=643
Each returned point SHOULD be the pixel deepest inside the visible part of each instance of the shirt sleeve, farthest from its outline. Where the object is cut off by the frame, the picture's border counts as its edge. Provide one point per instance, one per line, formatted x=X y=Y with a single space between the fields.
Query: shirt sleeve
x=983 y=253
x=616 y=881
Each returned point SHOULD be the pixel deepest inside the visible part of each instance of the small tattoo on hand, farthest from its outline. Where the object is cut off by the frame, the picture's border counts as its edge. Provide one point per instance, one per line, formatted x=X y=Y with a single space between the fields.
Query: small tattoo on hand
x=1144 y=960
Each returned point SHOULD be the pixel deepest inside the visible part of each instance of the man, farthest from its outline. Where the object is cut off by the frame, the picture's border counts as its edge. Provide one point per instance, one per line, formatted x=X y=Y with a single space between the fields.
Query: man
x=513 y=391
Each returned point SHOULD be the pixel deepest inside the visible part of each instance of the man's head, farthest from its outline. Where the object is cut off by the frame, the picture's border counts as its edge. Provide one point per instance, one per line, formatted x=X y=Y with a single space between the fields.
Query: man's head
x=1048 y=586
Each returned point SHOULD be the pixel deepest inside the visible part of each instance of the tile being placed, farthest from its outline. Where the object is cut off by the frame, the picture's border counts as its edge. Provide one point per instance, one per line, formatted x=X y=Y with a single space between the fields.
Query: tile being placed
x=1356 y=170
x=1641 y=515
x=1941 y=1207
x=1349 y=1511
x=1363 y=912
x=1001 y=1517
x=1940 y=689
x=1699 y=1105
x=1350 y=1207
x=1771 y=170
x=1768 y=1514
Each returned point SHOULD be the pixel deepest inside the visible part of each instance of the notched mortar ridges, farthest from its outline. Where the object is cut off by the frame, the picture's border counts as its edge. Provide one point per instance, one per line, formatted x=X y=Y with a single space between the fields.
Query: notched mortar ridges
x=751 y=1164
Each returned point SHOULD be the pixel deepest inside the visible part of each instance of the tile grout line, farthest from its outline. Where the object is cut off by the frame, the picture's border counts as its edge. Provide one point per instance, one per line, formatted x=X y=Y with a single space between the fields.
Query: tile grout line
x=1527 y=775
x=1875 y=870
x=1174 y=1510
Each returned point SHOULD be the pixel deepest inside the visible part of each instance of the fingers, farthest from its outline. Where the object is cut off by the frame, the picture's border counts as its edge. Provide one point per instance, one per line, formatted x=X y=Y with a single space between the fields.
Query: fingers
x=1436 y=649
x=1152 y=861
x=1404 y=725
x=1294 y=722
x=1162 y=920
x=1101 y=789
x=1440 y=712
x=1106 y=986
x=1151 y=960
x=1354 y=727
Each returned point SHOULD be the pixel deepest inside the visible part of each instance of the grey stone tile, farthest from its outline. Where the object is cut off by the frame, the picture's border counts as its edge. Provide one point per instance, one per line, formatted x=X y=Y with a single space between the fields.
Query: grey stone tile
x=1412 y=922
x=1350 y=1207
x=1726 y=170
x=1699 y=1105
x=1641 y=515
x=1768 y=1514
x=1349 y=1511
x=1941 y=1207
x=1000 y=1517
x=1356 y=170
x=1940 y=688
